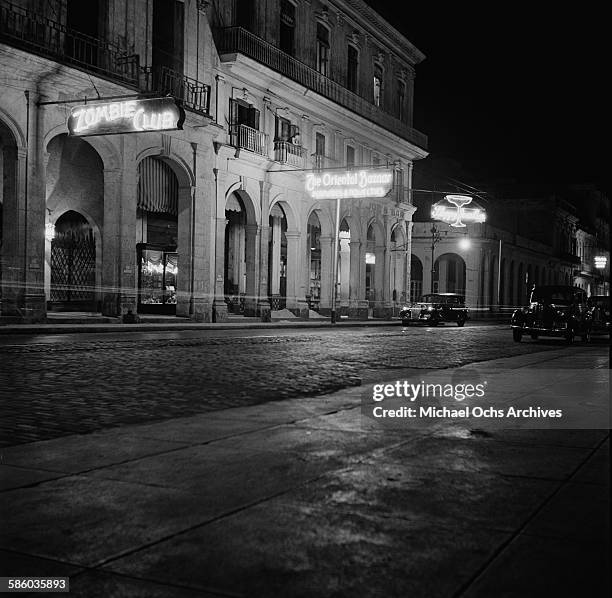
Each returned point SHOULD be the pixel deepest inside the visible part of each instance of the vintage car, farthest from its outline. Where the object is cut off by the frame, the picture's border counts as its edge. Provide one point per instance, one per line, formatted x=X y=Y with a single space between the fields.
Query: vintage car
x=436 y=308
x=600 y=314
x=553 y=310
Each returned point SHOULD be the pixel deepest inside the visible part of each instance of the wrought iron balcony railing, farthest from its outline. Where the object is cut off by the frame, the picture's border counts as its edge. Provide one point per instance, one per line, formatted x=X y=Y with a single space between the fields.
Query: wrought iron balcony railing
x=194 y=95
x=231 y=40
x=250 y=139
x=319 y=161
x=289 y=153
x=31 y=32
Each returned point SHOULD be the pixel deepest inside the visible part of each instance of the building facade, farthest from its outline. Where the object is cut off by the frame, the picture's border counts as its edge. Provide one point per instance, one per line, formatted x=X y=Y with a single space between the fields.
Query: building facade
x=213 y=218
x=496 y=263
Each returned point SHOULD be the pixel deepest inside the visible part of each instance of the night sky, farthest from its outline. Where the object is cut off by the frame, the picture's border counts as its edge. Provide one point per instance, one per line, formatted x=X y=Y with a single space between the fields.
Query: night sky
x=511 y=93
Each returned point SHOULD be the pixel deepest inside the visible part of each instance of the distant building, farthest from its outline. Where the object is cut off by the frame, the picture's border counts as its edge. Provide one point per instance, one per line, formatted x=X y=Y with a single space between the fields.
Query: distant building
x=529 y=236
x=213 y=218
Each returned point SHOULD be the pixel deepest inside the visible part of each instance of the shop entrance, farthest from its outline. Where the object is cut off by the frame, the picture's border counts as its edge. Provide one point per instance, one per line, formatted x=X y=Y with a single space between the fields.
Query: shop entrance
x=73 y=265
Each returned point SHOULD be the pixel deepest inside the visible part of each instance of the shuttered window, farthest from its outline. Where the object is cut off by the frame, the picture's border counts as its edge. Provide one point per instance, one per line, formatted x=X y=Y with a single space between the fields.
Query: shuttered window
x=157 y=187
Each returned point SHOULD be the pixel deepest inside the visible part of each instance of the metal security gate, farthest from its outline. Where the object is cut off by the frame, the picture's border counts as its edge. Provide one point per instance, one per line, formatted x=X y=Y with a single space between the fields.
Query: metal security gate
x=73 y=265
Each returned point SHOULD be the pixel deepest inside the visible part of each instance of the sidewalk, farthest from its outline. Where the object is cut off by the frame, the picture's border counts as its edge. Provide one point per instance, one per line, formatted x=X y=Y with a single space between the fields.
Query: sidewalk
x=304 y=498
x=158 y=325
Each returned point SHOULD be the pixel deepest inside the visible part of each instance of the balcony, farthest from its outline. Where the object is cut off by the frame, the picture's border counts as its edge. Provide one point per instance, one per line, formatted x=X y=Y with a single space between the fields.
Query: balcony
x=238 y=40
x=249 y=139
x=33 y=33
x=288 y=153
x=193 y=94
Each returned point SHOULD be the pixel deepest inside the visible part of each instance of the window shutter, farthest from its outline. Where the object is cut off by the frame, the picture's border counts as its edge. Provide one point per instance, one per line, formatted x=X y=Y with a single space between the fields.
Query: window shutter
x=233 y=113
x=253 y=118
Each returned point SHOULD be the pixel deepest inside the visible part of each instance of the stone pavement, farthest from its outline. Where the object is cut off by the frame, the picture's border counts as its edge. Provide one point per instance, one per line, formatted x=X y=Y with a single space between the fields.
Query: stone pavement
x=82 y=383
x=304 y=498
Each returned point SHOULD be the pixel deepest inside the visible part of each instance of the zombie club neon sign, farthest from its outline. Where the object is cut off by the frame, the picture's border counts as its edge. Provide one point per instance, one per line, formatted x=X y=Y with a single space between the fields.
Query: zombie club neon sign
x=133 y=116
x=452 y=210
x=349 y=184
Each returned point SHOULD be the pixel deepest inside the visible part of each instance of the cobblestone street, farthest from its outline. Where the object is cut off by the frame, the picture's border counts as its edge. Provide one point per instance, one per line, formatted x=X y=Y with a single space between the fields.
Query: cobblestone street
x=52 y=389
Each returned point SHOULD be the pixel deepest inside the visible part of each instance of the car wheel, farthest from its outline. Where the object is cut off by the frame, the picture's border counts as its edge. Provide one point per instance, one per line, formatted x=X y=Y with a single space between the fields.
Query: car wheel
x=460 y=322
x=517 y=335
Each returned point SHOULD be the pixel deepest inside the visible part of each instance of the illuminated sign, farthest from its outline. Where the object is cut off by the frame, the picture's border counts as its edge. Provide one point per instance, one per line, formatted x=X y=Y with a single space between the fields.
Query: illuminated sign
x=132 y=116
x=600 y=261
x=349 y=184
x=456 y=214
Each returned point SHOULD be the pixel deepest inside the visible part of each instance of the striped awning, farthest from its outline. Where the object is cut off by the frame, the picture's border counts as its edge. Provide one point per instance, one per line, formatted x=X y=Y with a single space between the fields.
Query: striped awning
x=157 y=187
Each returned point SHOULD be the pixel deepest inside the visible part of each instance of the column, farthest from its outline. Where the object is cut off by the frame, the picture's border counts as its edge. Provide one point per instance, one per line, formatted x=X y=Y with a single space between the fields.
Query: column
x=327 y=256
x=111 y=242
x=218 y=222
x=296 y=300
x=252 y=241
x=184 y=279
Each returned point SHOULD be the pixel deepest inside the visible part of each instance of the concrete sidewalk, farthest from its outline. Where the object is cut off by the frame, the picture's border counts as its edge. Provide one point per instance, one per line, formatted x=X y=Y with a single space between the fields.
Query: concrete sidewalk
x=306 y=498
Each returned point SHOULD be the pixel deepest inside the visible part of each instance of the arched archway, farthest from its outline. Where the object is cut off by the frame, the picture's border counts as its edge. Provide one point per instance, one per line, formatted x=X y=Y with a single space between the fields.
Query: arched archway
x=74 y=200
x=11 y=289
x=416 y=279
x=240 y=253
x=157 y=227
x=344 y=264
x=450 y=274
x=277 y=257
x=73 y=264
x=313 y=258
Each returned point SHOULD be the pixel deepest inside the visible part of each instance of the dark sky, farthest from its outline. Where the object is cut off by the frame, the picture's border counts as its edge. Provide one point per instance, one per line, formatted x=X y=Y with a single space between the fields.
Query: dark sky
x=511 y=92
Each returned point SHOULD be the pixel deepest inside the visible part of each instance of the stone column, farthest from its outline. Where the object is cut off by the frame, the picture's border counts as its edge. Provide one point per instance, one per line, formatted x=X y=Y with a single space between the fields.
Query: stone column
x=358 y=305
x=327 y=256
x=11 y=250
x=296 y=300
x=252 y=269
x=381 y=279
x=111 y=242
x=184 y=279
x=219 y=307
x=203 y=244
x=263 y=304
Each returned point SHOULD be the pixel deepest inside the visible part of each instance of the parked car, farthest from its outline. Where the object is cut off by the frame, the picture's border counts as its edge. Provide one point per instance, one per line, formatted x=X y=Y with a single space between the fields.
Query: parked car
x=600 y=314
x=436 y=308
x=553 y=310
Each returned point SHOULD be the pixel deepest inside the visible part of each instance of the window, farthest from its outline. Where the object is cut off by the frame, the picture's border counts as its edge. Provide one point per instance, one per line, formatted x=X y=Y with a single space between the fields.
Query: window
x=320 y=144
x=242 y=113
x=350 y=155
x=378 y=80
x=352 y=68
x=375 y=160
x=322 y=49
x=287 y=27
x=401 y=100
x=286 y=131
x=245 y=11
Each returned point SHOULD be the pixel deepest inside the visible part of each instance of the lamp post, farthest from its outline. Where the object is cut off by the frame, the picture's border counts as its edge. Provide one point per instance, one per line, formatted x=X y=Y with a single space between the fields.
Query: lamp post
x=435 y=238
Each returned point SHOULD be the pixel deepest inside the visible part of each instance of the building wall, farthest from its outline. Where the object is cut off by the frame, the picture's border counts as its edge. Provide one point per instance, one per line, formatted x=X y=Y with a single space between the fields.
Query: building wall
x=211 y=166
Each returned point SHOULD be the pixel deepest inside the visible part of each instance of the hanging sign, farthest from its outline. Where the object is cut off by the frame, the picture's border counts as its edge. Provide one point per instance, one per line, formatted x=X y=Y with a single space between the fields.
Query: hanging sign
x=131 y=116
x=349 y=184
x=452 y=210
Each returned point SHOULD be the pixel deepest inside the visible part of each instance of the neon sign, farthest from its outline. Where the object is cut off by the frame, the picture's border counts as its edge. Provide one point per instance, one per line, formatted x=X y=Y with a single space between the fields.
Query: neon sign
x=456 y=214
x=349 y=184
x=132 y=116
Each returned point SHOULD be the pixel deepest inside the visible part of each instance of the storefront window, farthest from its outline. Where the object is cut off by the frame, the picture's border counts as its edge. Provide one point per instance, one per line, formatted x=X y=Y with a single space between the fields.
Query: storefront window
x=158 y=269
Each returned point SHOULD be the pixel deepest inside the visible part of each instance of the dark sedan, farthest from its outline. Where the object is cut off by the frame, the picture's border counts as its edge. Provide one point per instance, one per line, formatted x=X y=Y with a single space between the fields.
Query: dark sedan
x=436 y=308
x=553 y=310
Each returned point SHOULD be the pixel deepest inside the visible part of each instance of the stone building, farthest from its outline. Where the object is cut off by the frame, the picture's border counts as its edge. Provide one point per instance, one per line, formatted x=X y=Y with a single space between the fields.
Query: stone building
x=109 y=207
x=533 y=240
